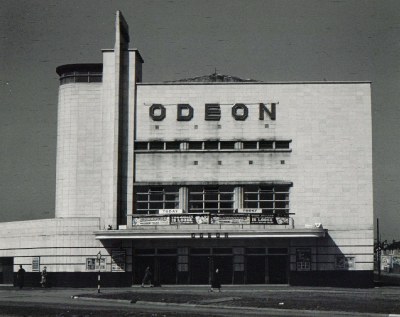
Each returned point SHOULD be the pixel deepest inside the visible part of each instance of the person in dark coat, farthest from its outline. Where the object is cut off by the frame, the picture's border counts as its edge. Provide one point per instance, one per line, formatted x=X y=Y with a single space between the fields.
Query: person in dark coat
x=43 y=281
x=20 y=277
x=215 y=282
x=147 y=277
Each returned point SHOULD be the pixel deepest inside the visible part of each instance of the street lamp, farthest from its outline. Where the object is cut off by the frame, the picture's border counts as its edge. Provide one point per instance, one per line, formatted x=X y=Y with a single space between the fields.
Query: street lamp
x=98 y=277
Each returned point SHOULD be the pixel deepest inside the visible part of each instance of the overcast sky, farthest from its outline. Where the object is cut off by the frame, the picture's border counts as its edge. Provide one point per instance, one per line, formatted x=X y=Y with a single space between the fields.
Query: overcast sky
x=265 y=40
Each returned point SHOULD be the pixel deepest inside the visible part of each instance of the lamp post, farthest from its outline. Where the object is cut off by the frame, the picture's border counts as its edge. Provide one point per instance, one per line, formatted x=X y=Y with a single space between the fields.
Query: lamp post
x=98 y=276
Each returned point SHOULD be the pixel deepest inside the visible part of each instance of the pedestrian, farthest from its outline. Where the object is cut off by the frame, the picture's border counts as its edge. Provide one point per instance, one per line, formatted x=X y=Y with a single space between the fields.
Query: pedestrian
x=147 y=277
x=215 y=282
x=43 y=281
x=20 y=277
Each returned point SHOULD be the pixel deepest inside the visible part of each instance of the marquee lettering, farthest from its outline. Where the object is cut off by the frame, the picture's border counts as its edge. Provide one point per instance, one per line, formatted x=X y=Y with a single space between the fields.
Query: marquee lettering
x=237 y=108
x=157 y=112
x=185 y=112
x=271 y=113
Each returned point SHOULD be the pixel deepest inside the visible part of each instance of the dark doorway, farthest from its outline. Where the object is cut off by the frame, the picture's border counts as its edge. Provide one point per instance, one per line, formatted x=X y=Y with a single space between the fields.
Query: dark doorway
x=255 y=270
x=199 y=269
x=225 y=268
x=6 y=271
x=277 y=269
x=167 y=269
x=141 y=263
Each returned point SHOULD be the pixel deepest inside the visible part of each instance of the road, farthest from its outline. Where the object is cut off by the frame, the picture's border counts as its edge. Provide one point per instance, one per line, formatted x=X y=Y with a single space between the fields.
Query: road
x=195 y=301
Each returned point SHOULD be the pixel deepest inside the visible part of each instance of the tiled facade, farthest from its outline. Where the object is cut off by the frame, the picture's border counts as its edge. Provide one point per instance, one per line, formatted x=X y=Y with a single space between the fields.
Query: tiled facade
x=113 y=154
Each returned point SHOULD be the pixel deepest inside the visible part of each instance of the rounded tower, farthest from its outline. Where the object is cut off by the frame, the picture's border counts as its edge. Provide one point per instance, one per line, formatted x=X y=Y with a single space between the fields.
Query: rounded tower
x=79 y=146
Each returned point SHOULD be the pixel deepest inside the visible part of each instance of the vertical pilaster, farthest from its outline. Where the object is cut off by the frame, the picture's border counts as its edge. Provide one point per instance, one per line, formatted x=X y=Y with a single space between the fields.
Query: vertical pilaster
x=238 y=197
x=184 y=198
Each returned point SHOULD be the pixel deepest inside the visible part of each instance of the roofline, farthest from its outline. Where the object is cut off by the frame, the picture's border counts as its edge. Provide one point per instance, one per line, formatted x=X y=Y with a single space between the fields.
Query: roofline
x=251 y=83
x=87 y=67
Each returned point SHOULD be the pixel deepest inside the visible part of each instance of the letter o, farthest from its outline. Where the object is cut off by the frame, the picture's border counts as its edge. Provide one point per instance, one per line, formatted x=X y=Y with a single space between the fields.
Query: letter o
x=240 y=117
x=154 y=107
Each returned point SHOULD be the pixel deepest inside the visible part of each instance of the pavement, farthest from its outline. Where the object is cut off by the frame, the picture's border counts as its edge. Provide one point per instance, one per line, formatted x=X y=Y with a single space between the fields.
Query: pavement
x=234 y=300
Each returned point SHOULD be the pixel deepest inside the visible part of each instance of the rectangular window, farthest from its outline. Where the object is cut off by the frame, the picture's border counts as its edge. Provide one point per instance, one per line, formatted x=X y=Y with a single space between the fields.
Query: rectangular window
x=172 y=145
x=141 y=145
x=271 y=199
x=195 y=145
x=238 y=263
x=303 y=259
x=250 y=145
x=266 y=145
x=90 y=264
x=211 y=145
x=227 y=145
x=218 y=199
x=156 y=145
x=149 y=200
x=283 y=145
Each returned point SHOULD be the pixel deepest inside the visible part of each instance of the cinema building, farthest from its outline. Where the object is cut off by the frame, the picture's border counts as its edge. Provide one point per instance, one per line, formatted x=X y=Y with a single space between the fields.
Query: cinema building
x=269 y=182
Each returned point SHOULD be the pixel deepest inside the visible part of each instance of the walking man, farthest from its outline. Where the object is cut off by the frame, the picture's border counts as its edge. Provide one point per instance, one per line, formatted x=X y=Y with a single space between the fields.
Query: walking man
x=20 y=277
x=147 y=277
x=44 y=277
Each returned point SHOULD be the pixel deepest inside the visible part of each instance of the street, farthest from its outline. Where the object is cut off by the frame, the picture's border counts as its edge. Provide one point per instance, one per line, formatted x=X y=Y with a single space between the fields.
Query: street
x=179 y=301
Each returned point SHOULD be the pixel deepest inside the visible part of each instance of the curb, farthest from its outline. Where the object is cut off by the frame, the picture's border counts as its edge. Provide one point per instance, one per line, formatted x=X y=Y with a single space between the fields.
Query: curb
x=125 y=301
x=261 y=310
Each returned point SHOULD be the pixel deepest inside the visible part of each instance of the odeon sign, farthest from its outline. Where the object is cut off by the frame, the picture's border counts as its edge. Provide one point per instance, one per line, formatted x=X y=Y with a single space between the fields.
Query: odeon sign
x=185 y=112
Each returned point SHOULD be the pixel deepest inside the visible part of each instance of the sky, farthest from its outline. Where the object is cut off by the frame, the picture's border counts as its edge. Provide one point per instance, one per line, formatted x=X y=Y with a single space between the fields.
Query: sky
x=280 y=40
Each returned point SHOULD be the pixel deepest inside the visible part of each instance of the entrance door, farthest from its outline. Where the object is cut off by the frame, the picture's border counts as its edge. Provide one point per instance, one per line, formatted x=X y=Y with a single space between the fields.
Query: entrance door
x=225 y=268
x=141 y=263
x=255 y=269
x=277 y=269
x=167 y=269
x=199 y=269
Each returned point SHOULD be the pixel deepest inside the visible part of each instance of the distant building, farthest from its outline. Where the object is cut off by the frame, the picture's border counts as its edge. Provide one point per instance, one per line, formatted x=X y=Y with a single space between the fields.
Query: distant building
x=269 y=182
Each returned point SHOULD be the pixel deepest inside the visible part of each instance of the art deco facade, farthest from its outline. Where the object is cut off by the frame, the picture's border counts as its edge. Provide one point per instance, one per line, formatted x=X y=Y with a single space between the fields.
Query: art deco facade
x=269 y=182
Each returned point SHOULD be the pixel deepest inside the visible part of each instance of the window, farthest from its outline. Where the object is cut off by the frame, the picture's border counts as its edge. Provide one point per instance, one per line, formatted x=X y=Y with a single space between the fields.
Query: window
x=227 y=145
x=303 y=259
x=141 y=145
x=172 y=145
x=218 y=199
x=183 y=259
x=195 y=145
x=250 y=145
x=156 y=145
x=266 y=145
x=211 y=145
x=279 y=145
x=81 y=77
x=149 y=200
x=263 y=145
x=90 y=264
x=271 y=199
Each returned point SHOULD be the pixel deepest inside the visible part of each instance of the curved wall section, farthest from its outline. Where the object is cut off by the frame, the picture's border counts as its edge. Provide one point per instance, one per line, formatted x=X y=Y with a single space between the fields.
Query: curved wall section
x=78 y=174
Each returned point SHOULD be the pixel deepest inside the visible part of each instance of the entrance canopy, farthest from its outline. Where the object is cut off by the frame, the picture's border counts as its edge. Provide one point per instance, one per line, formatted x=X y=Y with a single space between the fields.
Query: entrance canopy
x=208 y=232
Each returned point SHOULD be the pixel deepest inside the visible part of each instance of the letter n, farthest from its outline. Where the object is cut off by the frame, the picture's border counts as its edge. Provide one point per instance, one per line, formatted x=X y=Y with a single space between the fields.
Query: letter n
x=271 y=113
